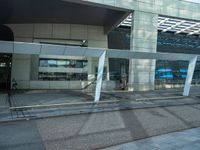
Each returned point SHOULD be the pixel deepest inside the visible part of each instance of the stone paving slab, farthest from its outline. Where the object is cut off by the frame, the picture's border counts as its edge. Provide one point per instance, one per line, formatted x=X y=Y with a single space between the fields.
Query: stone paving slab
x=145 y=95
x=32 y=113
x=55 y=102
x=23 y=136
x=100 y=130
x=3 y=101
x=50 y=97
x=45 y=97
x=4 y=108
x=184 y=140
x=41 y=112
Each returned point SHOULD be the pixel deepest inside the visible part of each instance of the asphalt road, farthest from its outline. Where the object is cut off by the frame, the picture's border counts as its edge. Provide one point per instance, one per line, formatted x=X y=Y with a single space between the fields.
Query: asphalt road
x=96 y=130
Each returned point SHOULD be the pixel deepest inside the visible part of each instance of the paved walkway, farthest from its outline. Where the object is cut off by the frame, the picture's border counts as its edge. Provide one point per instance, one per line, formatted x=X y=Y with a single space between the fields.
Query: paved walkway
x=3 y=100
x=46 y=103
x=48 y=97
x=183 y=140
x=4 y=107
x=97 y=130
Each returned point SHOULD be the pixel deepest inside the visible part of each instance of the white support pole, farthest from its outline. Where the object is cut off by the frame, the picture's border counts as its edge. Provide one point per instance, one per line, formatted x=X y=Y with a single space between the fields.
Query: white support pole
x=191 y=68
x=100 y=76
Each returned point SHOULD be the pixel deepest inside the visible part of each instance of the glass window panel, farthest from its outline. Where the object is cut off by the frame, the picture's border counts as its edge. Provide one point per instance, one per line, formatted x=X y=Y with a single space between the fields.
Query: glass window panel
x=52 y=63
x=44 y=63
x=62 y=63
x=85 y=63
x=60 y=76
x=79 y=64
x=57 y=76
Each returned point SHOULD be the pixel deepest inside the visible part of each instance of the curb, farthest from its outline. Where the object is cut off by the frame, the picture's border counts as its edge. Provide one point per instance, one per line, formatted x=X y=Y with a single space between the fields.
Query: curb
x=116 y=106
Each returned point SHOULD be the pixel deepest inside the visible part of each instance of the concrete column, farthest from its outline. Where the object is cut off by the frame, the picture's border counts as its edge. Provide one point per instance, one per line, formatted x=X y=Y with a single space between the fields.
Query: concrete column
x=100 y=76
x=34 y=67
x=190 y=73
x=143 y=39
x=21 y=68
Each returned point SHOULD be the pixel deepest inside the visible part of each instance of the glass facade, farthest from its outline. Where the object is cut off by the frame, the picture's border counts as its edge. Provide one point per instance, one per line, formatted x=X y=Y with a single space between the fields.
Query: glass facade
x=62 y=64
x=119 y=39
x=175 y=72
x=178 y=41
x=169 y=72
x=104 y=73
x=59 y=76
x=66 y=63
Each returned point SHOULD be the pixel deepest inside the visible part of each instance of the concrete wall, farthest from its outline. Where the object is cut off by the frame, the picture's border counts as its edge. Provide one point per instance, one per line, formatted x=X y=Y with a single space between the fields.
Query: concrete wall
x=21 y=70
x=28 y=32
x=173 y=8
x=143 y=38
x=144 y=32
x=25 y=67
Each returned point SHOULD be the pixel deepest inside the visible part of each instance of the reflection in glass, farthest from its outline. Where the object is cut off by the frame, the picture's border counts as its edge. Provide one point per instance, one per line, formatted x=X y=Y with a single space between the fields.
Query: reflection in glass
x=58 y=76
x=62 y=63
x=175 y=72
x=66 y=63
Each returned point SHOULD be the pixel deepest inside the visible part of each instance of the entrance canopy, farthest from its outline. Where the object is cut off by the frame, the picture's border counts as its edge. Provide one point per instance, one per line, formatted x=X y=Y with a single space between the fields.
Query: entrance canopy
x=52 y=49
x=49 y=49
x=60 y=11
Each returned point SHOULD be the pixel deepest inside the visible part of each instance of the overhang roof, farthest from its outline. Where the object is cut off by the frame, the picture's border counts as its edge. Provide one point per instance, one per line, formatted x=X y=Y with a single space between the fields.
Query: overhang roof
x=166 y=24
x=52 y=49
x=60 y=11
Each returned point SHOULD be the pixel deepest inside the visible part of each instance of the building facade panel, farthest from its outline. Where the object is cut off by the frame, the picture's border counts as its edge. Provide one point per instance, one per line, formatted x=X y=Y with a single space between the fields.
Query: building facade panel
x=173 y=8
x=138 y=31
x=25 y=68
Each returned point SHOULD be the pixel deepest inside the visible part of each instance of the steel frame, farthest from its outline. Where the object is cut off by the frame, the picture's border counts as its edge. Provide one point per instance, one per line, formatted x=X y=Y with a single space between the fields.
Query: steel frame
x=51 y=49
x=175 y=25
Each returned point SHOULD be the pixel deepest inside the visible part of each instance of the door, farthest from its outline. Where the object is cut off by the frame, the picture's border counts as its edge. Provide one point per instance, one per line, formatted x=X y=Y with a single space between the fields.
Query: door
x=5 y=71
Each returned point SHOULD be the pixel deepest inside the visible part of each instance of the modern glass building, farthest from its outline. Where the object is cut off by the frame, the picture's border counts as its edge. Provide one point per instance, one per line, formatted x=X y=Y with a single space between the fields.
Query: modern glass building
x=167 y=73
x=136 y=25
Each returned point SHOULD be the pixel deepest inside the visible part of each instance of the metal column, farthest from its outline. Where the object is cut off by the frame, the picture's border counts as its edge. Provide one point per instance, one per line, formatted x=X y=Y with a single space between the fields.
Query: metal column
x=100 y=76
x=191 y=68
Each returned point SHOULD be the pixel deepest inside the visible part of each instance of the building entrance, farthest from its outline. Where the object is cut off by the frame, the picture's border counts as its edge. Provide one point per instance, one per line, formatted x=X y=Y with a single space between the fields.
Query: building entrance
x=6 y=34
x=5 y=71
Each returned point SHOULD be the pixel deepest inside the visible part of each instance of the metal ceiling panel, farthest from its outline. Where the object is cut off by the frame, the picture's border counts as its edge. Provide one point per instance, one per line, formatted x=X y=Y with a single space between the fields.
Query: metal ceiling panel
x=166 y=24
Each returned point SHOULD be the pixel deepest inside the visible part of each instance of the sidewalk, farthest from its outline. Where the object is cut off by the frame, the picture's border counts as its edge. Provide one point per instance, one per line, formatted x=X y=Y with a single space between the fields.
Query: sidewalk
x=100 y=130
x=49 y=103
x=4 y=107
x=184 y=140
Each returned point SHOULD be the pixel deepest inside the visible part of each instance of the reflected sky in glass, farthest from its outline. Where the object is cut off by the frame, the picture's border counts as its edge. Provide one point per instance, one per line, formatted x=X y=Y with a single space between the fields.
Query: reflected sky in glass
x=195 y=1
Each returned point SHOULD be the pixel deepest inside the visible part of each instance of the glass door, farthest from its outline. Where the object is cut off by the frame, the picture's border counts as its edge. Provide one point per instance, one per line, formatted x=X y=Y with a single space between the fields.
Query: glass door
x=5 y=71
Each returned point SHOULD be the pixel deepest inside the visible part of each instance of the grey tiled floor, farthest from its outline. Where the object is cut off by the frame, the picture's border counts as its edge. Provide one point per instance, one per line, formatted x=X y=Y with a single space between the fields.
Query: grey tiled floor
x=184 y=140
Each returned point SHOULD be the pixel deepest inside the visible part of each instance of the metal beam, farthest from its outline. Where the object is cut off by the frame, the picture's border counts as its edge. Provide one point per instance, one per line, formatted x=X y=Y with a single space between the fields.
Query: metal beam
x=146 y=55
x=173 y=26
x=191 y=68
x=100 y=76
x=52 y=49
x=194 y=32
x=163 y=21
x=187 y=28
